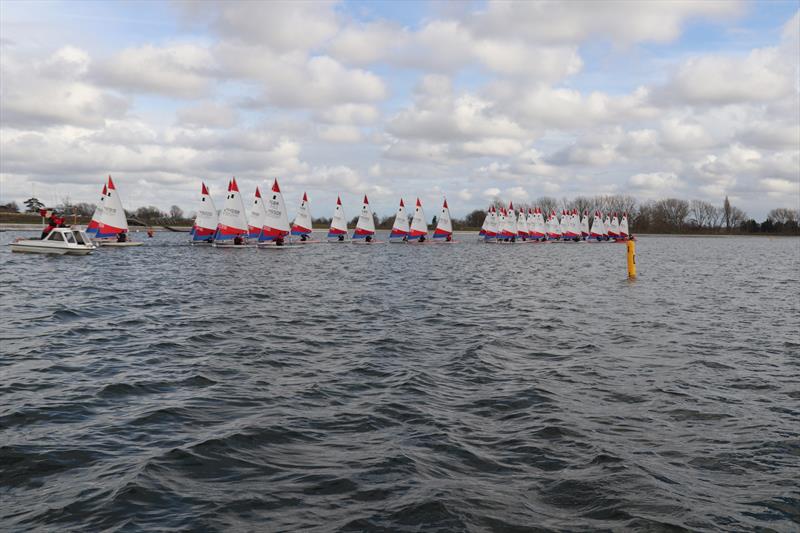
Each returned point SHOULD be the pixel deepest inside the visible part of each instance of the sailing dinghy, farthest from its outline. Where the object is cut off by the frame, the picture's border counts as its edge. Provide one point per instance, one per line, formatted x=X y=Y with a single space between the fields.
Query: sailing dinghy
x=597 y=232
x=302 y=221
x=258 y=213
x=109 y=226
x=585 y=225
x=444 y=226
x=490 y=233
x=205 y=223
x=613 y=227
x=365 y=227
x=232 y=226
x=276 y=223
x=338 y=229
x=400 y=227
x=419 y=228
x=522 y=226
x=624 y=233
x=538 y=231
x=553 y=227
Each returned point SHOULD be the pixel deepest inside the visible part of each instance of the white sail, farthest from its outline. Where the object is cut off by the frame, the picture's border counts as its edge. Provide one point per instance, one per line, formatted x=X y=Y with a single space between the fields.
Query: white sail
x=400 y=227
x=623 y=226
x=531 y=222
x=419 y=227
x=537 y=228
x=258 y=213
x=607 y=226
x=522 y=225
x=276 y=223
x=613 y=230
x=94 y=223
x=585 y=224
x=365 y=227
x=302 y=224
x=444 y=224
x=511 y=220
x=205 y=223
x=565 y=225
x=338 y=229
x=598 y=231
x=492 y=227
x=232 y=219
x=554 y=229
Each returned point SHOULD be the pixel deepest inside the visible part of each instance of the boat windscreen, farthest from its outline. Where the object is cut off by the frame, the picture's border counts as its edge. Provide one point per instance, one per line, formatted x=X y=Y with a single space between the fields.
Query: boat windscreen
x=70 y=238
x=56 y=236
x=78 y=237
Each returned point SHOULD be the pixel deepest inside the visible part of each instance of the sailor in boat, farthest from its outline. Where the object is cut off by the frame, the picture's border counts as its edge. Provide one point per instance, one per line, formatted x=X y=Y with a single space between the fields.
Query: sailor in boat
x=238 y=241
x=341 y=238
x=122 y=237
x=422 y=238
x=449 y=238
x=368 y=238
x=53 y=222
x=303 y=237
x=279 y=241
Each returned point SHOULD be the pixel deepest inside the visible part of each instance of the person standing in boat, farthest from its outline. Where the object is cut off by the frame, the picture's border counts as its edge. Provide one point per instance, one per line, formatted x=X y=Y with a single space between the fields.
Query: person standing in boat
x=53 y=222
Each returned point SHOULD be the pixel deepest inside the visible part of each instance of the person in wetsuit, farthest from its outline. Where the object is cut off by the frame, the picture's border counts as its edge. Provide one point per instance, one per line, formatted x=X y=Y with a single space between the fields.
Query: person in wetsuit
x=122 y=237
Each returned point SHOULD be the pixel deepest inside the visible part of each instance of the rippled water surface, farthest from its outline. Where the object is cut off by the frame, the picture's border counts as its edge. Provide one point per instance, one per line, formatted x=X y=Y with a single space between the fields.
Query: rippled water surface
x=402 y=388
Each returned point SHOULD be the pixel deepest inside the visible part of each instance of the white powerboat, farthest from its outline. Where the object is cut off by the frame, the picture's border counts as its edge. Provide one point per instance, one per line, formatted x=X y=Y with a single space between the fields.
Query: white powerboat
x=59 y=241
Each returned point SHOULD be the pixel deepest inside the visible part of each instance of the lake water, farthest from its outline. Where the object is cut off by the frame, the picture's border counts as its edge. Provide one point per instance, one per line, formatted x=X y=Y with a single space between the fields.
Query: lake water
x=402 y=388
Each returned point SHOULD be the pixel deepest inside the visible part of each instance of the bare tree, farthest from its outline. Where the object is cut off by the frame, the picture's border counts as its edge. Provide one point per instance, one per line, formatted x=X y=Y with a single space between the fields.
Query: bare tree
x=621 y=203
x=670 y=214
x=175 y=212
x=737 y=217
x=547 y=204
x=782 y=215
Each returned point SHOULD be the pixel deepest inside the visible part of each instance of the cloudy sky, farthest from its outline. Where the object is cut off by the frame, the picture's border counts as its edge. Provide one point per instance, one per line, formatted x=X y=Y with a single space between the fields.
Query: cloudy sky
x=469 y=100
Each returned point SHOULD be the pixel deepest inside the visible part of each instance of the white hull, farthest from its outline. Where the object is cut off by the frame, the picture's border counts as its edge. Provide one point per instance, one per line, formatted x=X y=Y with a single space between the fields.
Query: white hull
x=68 y=242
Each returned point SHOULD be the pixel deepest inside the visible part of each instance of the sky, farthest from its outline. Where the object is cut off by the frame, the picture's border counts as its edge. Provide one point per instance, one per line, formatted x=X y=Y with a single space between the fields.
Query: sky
x=464 y=100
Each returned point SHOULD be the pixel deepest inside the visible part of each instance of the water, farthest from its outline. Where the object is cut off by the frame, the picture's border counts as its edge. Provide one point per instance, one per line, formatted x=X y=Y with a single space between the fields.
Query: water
x=402 y=388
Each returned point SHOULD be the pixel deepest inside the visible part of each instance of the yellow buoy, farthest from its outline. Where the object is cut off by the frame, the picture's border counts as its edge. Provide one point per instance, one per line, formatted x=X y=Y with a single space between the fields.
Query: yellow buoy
x=631 y=259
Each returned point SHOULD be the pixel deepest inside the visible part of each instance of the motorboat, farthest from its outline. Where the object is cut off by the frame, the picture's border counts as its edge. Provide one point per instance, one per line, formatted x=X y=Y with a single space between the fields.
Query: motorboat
x=59 y=241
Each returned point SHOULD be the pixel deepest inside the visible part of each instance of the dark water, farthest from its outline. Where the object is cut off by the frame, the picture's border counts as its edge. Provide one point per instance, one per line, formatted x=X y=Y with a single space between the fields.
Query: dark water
x=402 y=388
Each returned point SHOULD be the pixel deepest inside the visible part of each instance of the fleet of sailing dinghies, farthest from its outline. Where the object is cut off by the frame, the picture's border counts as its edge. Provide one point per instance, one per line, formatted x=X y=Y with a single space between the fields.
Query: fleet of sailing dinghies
x=338 y=229
x=400 y=228
x=267 y=222
x=503 y=226
x=365 y=227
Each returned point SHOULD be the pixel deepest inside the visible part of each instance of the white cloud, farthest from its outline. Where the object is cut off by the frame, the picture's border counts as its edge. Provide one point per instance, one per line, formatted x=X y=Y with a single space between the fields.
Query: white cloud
x=207 y=115
x=340 y=133
x=54 y=91
x=656 y=183
x=362 y=114
x=179 y=70
x=575 y=21
x=281 y=25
